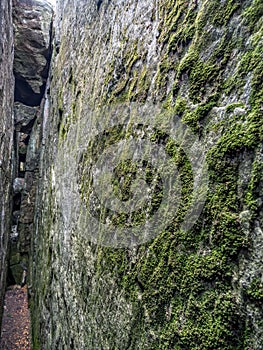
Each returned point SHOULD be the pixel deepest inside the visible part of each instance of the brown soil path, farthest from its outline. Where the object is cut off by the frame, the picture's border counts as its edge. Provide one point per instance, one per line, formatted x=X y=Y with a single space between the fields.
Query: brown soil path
x=16 y=320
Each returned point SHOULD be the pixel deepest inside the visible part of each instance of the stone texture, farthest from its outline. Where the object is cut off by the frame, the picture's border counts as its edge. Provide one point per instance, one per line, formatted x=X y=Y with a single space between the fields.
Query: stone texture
x=27 y=208
x=195 y=289
x=18 y=184
x=6 y=135
x=32 y=22
x=24 y=117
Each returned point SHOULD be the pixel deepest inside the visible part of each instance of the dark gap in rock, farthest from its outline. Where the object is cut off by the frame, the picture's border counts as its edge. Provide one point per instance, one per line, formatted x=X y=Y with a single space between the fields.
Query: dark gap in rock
x=10 y=281
x=70 y=76
x=17 y=201
x=45 y=71
x=25 y=94
x=57 y=47
x=22 y=157
x=99 y=3
x=26 y=129
x=72 y=344
x=26 y=81
x=26 y=141
x=60 y=113
x=15 y=217
x=140 y=285
x=32 y=56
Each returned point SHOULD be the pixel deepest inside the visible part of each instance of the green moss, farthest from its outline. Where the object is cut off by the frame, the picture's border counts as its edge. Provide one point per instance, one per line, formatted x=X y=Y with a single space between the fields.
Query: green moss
x=177 y=25
x=255 y=290
x=212 y=312
x=184 y=279
x=253 y=192
x=230 y=108
x=195 y=117
x=63 y=130
x=253 y=15
x=169 y=271
x=180 y=106
x=140 y=86
x=251 y=60
x=219 y=13
x=181 y=283
x=244 y=133
x=128 y=82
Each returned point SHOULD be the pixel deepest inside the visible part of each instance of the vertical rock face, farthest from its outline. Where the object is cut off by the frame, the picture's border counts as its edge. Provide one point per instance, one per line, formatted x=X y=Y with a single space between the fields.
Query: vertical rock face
x=32 y=51
x=187 y=286
x=6 y=133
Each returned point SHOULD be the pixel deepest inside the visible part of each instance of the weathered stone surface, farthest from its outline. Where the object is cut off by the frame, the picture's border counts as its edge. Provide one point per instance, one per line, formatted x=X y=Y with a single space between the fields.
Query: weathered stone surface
x=17 y=272
x=32 y=20
x=195 y=289
x=6 y=134
x=24 y=117
x=18 y=184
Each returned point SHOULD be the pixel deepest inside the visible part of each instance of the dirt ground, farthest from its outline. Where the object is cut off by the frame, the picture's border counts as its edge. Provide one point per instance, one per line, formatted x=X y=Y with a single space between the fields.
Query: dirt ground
x=15 y=333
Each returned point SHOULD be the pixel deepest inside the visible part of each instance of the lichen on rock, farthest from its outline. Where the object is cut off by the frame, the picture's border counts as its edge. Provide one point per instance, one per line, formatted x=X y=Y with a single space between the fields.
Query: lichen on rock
x=185 y=289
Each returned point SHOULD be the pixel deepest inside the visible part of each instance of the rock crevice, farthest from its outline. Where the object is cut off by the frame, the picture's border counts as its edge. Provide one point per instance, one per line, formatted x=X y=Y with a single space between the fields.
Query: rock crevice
x=32 y=54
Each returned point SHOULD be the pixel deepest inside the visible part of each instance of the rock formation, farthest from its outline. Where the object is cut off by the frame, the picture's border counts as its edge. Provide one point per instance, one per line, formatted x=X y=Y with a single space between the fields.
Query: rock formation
x=138 y=177
x=193 y=288
x=32 y=51
x=6 y=134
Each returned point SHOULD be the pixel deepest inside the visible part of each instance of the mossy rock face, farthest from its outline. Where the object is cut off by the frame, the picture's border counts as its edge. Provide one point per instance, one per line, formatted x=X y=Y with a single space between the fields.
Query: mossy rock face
x=14 y=259
x=17 y=273
x=194 y=289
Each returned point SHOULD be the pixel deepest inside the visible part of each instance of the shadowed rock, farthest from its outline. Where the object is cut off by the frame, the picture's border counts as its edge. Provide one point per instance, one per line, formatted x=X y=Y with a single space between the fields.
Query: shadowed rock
x=32 y=20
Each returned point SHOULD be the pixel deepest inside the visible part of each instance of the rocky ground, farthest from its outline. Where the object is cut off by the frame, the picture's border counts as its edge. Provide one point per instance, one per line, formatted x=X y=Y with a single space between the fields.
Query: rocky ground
x=16 y=321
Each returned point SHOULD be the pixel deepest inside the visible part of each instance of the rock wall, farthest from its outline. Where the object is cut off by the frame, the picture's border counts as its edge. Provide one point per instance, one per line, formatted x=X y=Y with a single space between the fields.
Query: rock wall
x=32 y=21
x=32 y=51
x=6 y=135
x=101 y=278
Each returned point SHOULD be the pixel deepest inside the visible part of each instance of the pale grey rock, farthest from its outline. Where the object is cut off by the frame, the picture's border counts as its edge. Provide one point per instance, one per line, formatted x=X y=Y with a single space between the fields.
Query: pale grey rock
x=18 y=184
x=24 y=116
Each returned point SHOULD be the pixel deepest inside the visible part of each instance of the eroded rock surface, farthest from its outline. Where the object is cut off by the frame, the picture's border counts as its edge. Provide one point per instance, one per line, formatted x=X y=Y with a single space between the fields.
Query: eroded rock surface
x=32 y=23
x=6 y=135
x=195 y=289
x=32 y=48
